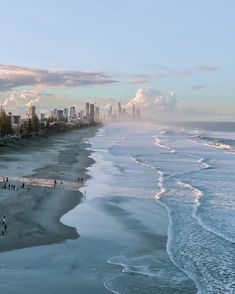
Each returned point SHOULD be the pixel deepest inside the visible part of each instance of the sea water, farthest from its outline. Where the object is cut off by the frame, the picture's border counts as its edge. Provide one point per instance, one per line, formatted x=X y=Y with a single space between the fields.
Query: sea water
x=193 y=172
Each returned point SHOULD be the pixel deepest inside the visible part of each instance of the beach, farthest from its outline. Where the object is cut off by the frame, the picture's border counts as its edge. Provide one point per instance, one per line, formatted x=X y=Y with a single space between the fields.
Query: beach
x=33 y=213
x=145 y=220
x=103 y=243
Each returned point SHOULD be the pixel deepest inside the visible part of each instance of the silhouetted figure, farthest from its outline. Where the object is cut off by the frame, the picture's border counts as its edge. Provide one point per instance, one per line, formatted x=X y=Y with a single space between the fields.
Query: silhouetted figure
x=55 y=182
x=78 y=180
x=7 y=179
x=5 y=227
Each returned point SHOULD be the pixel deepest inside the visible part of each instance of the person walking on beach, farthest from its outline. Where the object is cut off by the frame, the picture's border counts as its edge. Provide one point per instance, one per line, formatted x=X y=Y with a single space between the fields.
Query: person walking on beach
x=55 y=182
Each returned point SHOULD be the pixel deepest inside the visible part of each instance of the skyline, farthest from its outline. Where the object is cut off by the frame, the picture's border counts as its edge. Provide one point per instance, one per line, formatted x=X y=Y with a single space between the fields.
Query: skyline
x=109 y=52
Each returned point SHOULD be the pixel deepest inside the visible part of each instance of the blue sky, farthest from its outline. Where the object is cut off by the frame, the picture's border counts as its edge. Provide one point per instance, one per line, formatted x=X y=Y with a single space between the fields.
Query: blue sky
x=184 y=46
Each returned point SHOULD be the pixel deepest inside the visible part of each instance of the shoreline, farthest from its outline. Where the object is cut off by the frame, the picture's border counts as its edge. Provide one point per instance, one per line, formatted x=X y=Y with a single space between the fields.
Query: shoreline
x=19 y=140
x=33 y=214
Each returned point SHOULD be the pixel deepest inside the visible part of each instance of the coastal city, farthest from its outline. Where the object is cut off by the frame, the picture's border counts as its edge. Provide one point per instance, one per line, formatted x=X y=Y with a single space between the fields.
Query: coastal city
x=60 y=119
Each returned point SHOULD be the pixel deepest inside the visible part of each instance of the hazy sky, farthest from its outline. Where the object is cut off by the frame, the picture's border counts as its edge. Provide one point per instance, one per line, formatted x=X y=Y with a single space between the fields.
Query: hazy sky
x=63 y=51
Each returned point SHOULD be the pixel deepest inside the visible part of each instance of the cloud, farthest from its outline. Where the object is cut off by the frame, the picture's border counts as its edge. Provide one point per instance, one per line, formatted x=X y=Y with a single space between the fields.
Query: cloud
x=10 y=102
x=153 y=100
x=197 y=87
x=163 y=71
x=208 y=67
x=12 y=76
x=138 y=82
x=139 y=75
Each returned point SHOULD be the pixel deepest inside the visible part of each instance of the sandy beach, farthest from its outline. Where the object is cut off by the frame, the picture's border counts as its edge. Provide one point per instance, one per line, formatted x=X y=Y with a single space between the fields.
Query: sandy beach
x=114 y=241
x=33 y=213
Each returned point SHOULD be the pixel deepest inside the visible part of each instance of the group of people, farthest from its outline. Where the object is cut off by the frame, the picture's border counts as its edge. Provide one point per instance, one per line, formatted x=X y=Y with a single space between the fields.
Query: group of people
x=4 y=226
x=8 y=186
x=61 y=184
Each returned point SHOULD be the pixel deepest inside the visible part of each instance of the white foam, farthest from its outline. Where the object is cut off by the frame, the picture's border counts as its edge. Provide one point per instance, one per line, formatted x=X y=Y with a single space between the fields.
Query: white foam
x=196 y=192
x=158 y=143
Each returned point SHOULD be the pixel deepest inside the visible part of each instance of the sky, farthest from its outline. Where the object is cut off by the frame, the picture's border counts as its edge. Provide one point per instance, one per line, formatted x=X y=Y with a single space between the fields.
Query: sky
x=57 y=53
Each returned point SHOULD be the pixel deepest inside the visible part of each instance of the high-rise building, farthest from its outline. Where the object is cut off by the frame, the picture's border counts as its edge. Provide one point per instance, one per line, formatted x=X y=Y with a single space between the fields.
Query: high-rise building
x=43 y=117
x=87 y=110
x=138 y=113
x=110 y=112
x=92 y=112
x=31 y=111
x=119 y=109
x=81 y=116
x=66 y=114
x=59 y=115
x=72 y=112
x=133 y=111
x=97 y=113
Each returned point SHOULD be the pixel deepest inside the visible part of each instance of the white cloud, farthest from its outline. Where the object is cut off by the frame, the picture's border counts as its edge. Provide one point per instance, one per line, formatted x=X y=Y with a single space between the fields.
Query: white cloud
x=152 y=99
x=10 y=102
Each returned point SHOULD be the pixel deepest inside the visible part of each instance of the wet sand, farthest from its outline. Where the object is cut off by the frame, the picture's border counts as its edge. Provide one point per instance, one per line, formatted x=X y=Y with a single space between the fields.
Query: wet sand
x=33 y=213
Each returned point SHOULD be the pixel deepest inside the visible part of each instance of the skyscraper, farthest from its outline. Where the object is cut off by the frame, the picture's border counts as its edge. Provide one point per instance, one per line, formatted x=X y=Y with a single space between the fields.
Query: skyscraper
x=119 y=109
x=31 y=111
x=110 y=112
x=97 y=113
x=87 y=110
x=133 y=111
x=92 y=112
x=72 y=112
x=66 y=114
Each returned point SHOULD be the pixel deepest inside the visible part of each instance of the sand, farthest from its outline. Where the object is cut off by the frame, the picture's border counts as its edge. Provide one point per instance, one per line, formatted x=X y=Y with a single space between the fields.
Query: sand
x=33 y=214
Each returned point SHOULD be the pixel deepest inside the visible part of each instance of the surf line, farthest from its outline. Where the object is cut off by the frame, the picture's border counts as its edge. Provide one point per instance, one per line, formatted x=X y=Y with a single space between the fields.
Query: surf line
x=159 y=194
x=158 y=143
x=198 y=194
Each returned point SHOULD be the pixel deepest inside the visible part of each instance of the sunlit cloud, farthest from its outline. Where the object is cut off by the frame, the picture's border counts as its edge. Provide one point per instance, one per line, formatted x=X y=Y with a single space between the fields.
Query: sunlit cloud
x=150 y=99
x=138 y=82
x=12 y=76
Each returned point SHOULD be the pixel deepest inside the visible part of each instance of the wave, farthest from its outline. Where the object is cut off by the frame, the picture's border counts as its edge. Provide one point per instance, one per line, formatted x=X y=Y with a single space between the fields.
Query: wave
x=161 y=145
x=198 y=194
x=162 y=189
x=219 y=143
x=137 y=269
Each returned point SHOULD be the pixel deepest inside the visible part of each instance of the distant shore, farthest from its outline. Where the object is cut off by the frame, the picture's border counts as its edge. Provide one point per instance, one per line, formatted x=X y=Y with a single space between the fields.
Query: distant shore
x=13 y=140
x=33 y=213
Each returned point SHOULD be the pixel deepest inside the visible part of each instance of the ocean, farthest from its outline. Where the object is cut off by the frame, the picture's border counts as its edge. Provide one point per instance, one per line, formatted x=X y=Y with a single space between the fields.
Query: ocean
x=157 y=217
x=190 y=172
